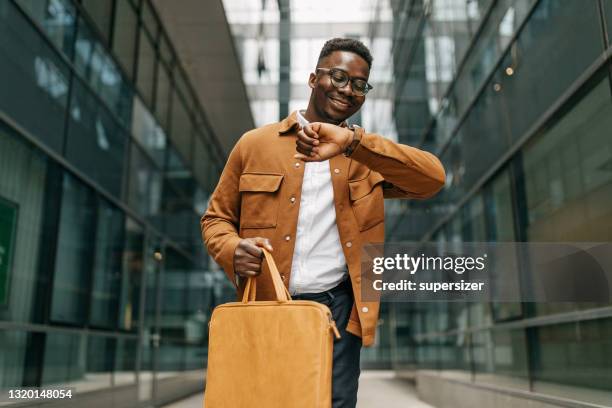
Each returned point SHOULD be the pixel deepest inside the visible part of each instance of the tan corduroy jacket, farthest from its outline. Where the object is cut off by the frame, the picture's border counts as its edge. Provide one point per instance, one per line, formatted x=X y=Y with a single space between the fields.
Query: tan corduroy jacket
x=259 y=195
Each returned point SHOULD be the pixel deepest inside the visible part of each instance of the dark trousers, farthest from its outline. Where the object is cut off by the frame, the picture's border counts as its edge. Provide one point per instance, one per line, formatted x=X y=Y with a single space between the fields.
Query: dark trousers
x=347 y=349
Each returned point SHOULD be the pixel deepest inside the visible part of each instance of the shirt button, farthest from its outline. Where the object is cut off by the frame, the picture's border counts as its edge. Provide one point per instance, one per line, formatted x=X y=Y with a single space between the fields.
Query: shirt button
x=297 y=165
x=287 y=237
x=292 y=199
x=337 y=171
x=349 y=244
x=365 y=309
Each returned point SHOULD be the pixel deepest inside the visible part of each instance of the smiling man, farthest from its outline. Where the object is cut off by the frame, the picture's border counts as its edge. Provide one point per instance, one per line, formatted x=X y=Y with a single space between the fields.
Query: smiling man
x=311 y=189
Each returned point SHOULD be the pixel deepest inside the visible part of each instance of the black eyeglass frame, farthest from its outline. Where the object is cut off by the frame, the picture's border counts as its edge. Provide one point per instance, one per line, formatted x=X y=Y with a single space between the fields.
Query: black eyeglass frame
x=330 y=72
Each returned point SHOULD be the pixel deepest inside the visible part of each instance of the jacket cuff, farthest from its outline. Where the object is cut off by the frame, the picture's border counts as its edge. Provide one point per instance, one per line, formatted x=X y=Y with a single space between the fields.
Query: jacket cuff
x=225 y=258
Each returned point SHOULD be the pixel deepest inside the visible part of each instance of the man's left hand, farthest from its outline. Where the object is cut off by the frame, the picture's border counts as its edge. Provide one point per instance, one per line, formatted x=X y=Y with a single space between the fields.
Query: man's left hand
x=321 y=141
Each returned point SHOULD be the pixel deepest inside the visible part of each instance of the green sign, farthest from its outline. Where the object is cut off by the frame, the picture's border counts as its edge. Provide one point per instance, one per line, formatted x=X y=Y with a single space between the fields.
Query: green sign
x=8 y=221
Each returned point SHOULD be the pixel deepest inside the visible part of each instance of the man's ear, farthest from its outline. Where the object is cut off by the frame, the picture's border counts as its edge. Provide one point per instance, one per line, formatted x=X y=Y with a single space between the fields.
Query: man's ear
x=312 y=80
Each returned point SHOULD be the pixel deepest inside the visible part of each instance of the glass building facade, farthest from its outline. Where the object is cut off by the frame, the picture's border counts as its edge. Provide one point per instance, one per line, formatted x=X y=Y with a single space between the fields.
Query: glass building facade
x=515 y=98
x=106 y=165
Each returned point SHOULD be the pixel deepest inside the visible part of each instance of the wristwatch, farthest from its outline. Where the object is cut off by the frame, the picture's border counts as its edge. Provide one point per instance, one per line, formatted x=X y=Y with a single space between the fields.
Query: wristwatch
x=357 y=133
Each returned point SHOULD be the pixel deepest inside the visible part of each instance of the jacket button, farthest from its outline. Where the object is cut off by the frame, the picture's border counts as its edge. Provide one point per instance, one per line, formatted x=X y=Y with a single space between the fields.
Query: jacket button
x=297 y=165
x=287 y=237
x=365 y=309
x=337 y=171
x=349 y=244
x=292 y=199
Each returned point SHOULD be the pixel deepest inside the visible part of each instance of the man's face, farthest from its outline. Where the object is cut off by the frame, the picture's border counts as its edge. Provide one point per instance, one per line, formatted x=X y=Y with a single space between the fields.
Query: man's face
x=337 y=104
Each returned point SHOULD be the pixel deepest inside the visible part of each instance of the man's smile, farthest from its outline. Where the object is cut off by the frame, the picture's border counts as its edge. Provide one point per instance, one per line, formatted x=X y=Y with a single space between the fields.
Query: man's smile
x=340 y=102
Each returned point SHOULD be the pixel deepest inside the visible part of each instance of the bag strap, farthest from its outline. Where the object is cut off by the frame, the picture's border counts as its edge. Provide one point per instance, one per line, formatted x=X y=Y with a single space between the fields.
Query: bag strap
x=282 y=294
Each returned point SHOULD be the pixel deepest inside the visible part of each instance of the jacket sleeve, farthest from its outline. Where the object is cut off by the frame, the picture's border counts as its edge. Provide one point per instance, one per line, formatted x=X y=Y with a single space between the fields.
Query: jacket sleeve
x=408 y=172
x=221 y=221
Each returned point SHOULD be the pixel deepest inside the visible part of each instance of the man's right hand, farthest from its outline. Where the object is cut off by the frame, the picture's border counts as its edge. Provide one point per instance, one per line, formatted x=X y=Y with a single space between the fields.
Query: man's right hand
x=248 y=256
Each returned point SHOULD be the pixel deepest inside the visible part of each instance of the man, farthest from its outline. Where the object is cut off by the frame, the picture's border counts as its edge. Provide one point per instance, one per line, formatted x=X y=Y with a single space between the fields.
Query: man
x=311 y=189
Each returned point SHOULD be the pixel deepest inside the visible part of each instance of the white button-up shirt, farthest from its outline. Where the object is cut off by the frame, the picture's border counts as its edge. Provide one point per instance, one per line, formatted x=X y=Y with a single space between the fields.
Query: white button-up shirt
x=318 y=261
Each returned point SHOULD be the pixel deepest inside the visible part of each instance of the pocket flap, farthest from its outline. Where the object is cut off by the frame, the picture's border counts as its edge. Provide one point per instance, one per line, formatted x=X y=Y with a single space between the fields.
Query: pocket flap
x=361 y=188
x=265 y=182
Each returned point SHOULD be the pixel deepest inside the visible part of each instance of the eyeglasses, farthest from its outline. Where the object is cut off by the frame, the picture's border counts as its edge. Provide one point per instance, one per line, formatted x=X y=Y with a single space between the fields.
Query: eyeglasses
x=340 y=78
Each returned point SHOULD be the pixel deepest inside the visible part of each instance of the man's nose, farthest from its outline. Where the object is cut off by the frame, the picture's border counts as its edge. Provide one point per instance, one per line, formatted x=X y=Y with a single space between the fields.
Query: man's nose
x=346 y=89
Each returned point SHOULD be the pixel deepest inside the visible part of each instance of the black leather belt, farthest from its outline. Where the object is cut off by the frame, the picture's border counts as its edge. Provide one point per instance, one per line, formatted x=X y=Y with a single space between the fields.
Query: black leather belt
x=342 y=287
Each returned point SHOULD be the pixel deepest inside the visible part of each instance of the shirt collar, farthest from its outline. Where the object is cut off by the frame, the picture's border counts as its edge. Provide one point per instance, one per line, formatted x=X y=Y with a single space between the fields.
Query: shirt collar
x=301 y=119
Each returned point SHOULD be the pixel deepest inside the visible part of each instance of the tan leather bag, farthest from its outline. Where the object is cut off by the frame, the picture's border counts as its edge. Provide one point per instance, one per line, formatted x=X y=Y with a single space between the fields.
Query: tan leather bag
x=270 y=354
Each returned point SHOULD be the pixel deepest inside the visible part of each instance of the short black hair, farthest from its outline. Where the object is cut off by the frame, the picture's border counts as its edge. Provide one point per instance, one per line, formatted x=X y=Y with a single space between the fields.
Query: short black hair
x=346 y=44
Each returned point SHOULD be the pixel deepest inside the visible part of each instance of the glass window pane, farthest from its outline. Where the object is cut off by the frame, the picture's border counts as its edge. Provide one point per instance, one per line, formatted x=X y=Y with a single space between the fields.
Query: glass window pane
x=148 y=133
x=499 y=209
x=65 y=359
x=153 y=262
x=473 y=228
x=203 y=166
x=174 y=297
x=181 y=133
x=107 y=266
x=125 y=362
x=96 y=143
x=500 y=358
x=98 y=68
x=146 y=67
x=171 y=356
x=566 y=184
x=75 y=251
x=14 y=348
x=570 y=361
x=99 y=367
x=38 y=84
x=57 y=19
x=23 y=181
x=124 y=37
x=162 y=103
x=145 y=188
x=565 y=178
x=100 y=12
x=131 y=280
x=562 y=28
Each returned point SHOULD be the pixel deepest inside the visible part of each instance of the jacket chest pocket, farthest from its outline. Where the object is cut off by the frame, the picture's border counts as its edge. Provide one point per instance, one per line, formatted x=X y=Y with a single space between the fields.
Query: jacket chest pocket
x=259 y=199
x=367 y=200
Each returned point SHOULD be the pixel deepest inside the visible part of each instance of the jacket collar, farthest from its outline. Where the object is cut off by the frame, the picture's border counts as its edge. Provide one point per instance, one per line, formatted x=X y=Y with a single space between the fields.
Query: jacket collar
x=288 y=124
x=291 y=122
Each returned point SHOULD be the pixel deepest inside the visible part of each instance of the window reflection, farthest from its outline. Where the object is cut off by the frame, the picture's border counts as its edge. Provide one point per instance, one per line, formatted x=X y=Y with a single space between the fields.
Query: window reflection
x=125 y=362
x=107 y=266
x=75 y=251
x=57 y=19
x=566 y=176
x=131 y=277
x=96 y=144
x=148 y=133
x=101 y=73
x=65 y=361
x=35 y=79
x=145 y=183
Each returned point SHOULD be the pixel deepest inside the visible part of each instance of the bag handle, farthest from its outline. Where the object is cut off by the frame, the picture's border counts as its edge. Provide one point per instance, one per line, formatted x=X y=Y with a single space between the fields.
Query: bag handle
x=250 y=290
